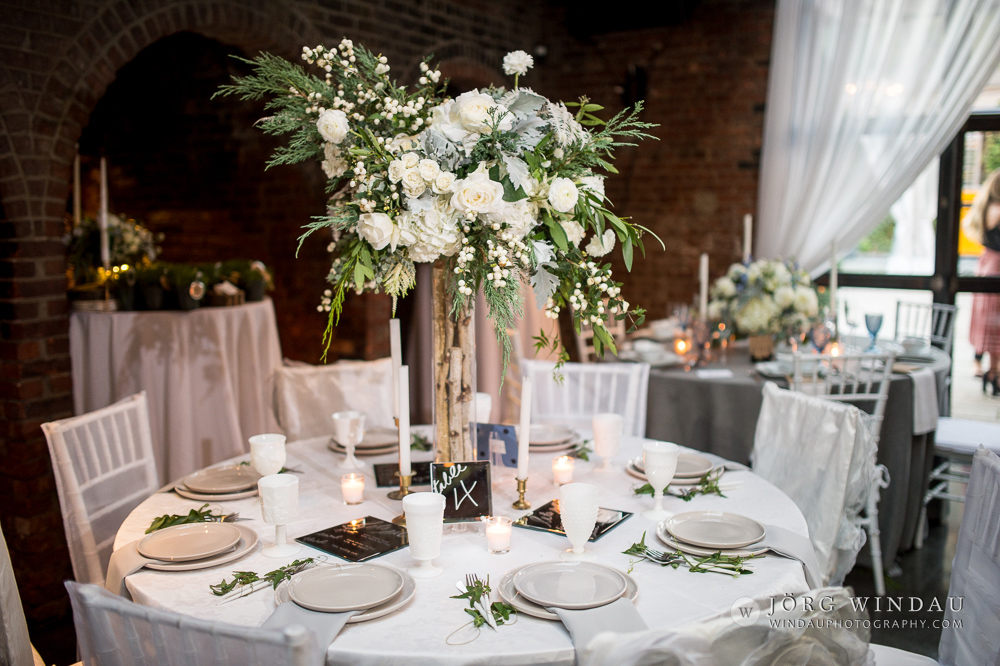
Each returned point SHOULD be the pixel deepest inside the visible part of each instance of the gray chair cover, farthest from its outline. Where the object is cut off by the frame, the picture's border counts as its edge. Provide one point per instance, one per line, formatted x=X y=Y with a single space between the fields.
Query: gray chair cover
x=975 y=572
x=15 y=646
x=111 y=631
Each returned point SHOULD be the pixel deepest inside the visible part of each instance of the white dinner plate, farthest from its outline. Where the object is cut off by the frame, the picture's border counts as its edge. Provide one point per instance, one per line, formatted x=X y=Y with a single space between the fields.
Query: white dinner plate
x=376 y=438
x=632 y=469
x=380 y=451
x=689 y=466
x=338 y=590
x=570 y=585
x=714 y=529
x=544 y=434
x=664 y=536
x=570 y=443
x=182 y=543
x=392 y=605
x=246 y=545
x=221 y=480
x=510 y=595
x=772 y=369
x=183 y=491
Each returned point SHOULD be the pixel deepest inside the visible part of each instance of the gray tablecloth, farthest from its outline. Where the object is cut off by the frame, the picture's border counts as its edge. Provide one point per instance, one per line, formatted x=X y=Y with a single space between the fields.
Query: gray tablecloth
x=720 y=416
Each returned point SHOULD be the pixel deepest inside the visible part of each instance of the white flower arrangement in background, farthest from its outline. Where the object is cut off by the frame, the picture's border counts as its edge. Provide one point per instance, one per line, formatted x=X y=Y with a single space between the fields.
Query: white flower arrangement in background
x=768 y=296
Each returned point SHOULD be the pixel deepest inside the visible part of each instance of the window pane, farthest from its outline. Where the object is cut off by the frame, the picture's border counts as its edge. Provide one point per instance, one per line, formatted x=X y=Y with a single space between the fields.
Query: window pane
x=856 y=302
x=982 y=157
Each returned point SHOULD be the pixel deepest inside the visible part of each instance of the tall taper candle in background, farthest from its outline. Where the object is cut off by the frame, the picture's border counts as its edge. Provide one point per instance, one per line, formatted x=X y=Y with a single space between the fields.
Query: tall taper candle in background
x=703 y=285
x=396 y=349
x=525 y=429
x=77 y=204
x=102 y=220
x=747 y=237
x=404 y=421
x=833 y=285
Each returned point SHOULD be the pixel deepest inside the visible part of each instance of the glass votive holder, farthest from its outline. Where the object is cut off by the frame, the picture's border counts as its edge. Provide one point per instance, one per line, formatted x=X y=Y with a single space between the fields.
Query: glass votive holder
x=353 y=488
x=498 y=529
x=562 y=470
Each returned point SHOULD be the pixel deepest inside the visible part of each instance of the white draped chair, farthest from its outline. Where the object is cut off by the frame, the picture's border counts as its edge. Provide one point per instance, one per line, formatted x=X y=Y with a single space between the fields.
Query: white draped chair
x=775 y=640
x=572 y=394
x=15 y=646
x=820 y=453
x=307 y=395
x=854 y=378
x=112 y=631
x=104 y=467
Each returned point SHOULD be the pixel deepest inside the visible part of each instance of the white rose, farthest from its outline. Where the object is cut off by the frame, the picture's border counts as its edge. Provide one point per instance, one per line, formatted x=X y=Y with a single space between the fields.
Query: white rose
x=601 y=245
x=429 y=169
x=472 y=111
x=332 y=125
x=724 y=288
x=396 y=169
x=413 y=183
x=517 y=62
x=563 y=195
x=477 y=194
x=784 y=296
x=376 y=228
x=806 y=301
x=574 y=231
x=334 y=165
x=409 y=160
x=443 y=183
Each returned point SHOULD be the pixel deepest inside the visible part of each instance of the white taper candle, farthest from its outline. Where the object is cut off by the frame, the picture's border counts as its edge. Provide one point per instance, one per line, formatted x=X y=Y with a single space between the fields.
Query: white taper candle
x=703 y=285
x=524 y=431
x=404 y=421
x=396 y=349
x=103 y=217
x=833 y=283
x=77 y=204
x=747 y=237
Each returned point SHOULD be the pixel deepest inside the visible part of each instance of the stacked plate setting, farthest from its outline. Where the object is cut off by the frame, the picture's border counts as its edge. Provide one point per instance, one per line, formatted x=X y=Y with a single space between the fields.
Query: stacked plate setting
x=374 y=589
x=217 y=484
x=196 y=546
x=546 y=438
x=376 y=442
x=535 y=588
x=690 y=468
x=704 y=533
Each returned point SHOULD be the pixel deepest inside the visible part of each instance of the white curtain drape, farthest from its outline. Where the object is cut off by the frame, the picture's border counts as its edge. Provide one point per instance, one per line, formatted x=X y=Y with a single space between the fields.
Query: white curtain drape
x=862 y=95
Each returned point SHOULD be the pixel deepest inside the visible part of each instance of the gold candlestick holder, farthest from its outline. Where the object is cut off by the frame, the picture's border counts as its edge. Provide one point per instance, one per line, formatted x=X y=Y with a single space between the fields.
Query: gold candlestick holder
x=521 y=503
x=404 y=487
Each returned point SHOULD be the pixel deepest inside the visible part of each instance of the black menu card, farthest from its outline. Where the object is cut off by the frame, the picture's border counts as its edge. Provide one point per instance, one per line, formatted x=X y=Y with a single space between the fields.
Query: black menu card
x=385 y=474
x=547 y=519
x=358 y=540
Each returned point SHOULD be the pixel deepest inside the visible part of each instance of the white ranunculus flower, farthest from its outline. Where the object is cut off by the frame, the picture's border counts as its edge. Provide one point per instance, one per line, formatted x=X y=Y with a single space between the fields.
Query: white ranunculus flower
x=806 y=301
x=477 y=193
x=472 y=109
x=429 y=169
x=444 y=183
x=334 y=165
x=724 y=288
x=595 y=184
x=517 y=62
x=563 y=195
x=784 y=296
x=332 y=125
x=601 y=245
x=574 y=231
x=396 y=169
x=376 y=228
x=757 y=316
x=409 y=160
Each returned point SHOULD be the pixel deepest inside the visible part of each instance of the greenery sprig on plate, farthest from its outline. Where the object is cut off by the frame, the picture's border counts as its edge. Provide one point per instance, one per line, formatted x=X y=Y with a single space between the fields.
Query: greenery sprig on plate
x=475 y=593
x=714 y=563
x=246 y=578
x=200 y=515
x=707 y=485
x=420 y=443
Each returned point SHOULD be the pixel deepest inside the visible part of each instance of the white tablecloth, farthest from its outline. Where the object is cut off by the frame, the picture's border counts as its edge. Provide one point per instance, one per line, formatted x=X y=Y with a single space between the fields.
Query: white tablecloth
x=415 y=635
x=207 y=376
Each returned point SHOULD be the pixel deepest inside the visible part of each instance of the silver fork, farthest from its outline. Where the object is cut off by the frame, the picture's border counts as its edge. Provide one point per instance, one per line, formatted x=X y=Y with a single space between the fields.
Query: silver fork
x=486 y=606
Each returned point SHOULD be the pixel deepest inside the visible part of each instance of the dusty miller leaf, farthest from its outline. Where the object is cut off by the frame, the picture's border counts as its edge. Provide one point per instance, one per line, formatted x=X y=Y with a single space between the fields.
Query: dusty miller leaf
x=544 y=283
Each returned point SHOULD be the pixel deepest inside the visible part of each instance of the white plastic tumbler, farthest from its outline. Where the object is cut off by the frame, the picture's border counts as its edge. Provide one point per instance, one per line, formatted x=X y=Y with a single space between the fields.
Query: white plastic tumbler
x=424 y=525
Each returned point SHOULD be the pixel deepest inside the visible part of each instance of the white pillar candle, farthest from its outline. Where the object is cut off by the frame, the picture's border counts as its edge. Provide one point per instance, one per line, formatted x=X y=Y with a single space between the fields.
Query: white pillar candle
x=703 y=285
x=747 y=237
x=404 y=421
x=103 y=217
x=353 y=488
x=498 y=529
x=833 y=284
x=525 y=430
x=77 y=203
x=562 y=470
x=396 y=349
x=483 y=406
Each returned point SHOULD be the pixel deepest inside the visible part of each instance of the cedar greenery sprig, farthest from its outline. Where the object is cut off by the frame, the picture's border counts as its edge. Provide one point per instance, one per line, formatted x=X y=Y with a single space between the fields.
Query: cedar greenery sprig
x=245 y=578
x=714 y=563
x=200 y=515
x=707 y=485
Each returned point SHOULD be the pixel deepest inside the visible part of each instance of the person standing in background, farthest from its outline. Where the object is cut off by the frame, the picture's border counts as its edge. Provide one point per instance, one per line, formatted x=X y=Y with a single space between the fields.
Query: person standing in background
x=982 y=224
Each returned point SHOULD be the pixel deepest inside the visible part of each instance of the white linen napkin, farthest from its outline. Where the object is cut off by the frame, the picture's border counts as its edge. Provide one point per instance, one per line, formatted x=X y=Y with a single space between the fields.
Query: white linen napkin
x=714 y=373
x=925 y=401
x=124 y=562
x=796 y=547
x=620 y=617
x=324 y=626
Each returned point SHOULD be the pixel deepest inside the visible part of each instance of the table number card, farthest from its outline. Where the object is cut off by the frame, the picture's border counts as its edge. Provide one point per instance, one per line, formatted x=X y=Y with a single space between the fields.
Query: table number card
x=497 y=443
x=358 y=540
x=546 y=518
x=466 y=489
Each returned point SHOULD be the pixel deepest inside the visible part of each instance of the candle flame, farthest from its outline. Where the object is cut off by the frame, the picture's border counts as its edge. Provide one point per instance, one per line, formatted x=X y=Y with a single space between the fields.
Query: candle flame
x=681 y=346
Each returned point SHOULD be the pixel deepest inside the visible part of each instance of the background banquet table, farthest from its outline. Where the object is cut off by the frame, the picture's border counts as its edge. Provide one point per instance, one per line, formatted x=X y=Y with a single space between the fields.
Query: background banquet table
x=416 y=634
x=719 y=415
x=206 y=374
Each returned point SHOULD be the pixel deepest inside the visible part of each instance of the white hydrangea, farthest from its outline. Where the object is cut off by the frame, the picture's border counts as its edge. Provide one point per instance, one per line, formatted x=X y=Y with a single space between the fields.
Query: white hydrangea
x=757 y=315
x=574 y=231
x=517 y=62
x=724 y=288
x=784 y=296
x=334 y=166
x=332 y=125
x=520 y=217
x=601 y=245
x=806 y=301
x=563 y=195
x=437 y=235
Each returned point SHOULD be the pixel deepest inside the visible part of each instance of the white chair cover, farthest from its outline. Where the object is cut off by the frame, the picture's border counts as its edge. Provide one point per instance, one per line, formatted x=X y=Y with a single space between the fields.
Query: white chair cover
x=104 y=467
x=975 y=572
x=114 y=632
x=822 y=640
x=962 y=437
x=821 y=453
x=15 y=646
x=587 y=389
x=307 y=395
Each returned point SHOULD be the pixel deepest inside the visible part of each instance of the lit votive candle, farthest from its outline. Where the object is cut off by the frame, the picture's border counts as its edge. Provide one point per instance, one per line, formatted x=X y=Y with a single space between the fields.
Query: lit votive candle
x=498 y=529
x=562 y=470
x=681 y=346
x=353 y=487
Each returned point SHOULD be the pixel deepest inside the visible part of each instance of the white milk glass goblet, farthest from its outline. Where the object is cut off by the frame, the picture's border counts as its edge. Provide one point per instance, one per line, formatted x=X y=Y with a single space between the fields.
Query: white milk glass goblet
x=578 y=510
x=349 y=429
x=279 y=502
x=267 y=453
x=424 y=524
x=608 y=430
x=660 y=463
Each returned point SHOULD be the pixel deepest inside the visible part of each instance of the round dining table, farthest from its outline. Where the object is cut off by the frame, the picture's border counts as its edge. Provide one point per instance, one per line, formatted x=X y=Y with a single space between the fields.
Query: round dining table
x=417 y=633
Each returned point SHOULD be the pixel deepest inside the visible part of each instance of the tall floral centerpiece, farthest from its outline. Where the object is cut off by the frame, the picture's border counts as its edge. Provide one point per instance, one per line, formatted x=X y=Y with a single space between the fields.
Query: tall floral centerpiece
x=762 y=299
x=492 y=187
